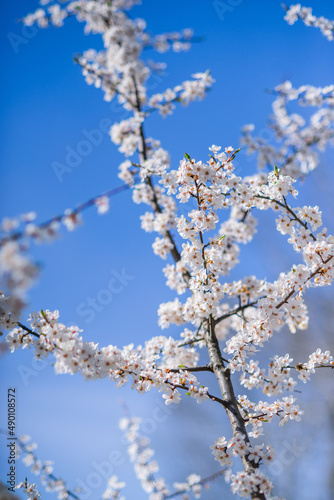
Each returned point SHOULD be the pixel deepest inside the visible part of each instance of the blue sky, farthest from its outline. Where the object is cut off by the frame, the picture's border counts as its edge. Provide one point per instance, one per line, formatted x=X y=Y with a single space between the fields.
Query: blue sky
x=46 y=106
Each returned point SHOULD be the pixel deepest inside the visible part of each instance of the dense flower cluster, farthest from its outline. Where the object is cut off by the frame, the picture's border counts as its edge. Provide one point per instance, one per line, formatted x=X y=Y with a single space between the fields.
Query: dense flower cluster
x=141 y=365
x=296 y=12
x=30 y=489
x=297 y=139
x=214 y=185
x=244 y=484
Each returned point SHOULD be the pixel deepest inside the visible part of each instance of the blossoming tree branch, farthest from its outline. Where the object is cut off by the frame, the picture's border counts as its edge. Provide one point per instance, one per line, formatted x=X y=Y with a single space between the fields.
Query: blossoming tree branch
x=229 y=320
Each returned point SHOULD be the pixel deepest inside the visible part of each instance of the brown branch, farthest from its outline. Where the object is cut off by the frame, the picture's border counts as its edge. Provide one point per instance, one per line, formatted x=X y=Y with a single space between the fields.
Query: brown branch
x=235 y=311
x=206 y=368
x=148 y=379
x=288 y=209
x=231 y=404
x=261 y=415
x=301 y=367
x=29 y=332
x=193 y=341
x=148 y=181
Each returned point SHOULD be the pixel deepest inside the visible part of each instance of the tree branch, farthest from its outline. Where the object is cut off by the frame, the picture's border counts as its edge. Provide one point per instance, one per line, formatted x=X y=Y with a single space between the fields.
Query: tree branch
x=231 y=404
x=148 y=181
x=59 y=218
x=235 y=311
x=206 y=368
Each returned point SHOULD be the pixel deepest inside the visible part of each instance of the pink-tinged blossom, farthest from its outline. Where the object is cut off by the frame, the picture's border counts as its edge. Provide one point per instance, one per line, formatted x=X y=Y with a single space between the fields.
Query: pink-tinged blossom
x=102 y=204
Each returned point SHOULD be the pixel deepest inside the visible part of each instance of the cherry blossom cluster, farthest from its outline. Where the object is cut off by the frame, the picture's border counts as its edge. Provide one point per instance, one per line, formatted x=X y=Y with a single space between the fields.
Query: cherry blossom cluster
x=256 y=414
x=177 y=41
x=272 y=311
x=30 y=489
x=223 y=450
x=141 y=365
x=215 y=186
x=184 y=93
x=104 y=18
x=281 y=367
x=141 y=455
x=296 y=11
x=54 y=15
x=96 y=73
x=244 y=484
x=17 y=273
x=94 y=13
x=279 y=378
x=296 y=138
x=25 y=449
x=254 y=483
x=115 y=68
x=8 y=319
x=146 y=468
x=113 y=490
x=307 y=95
